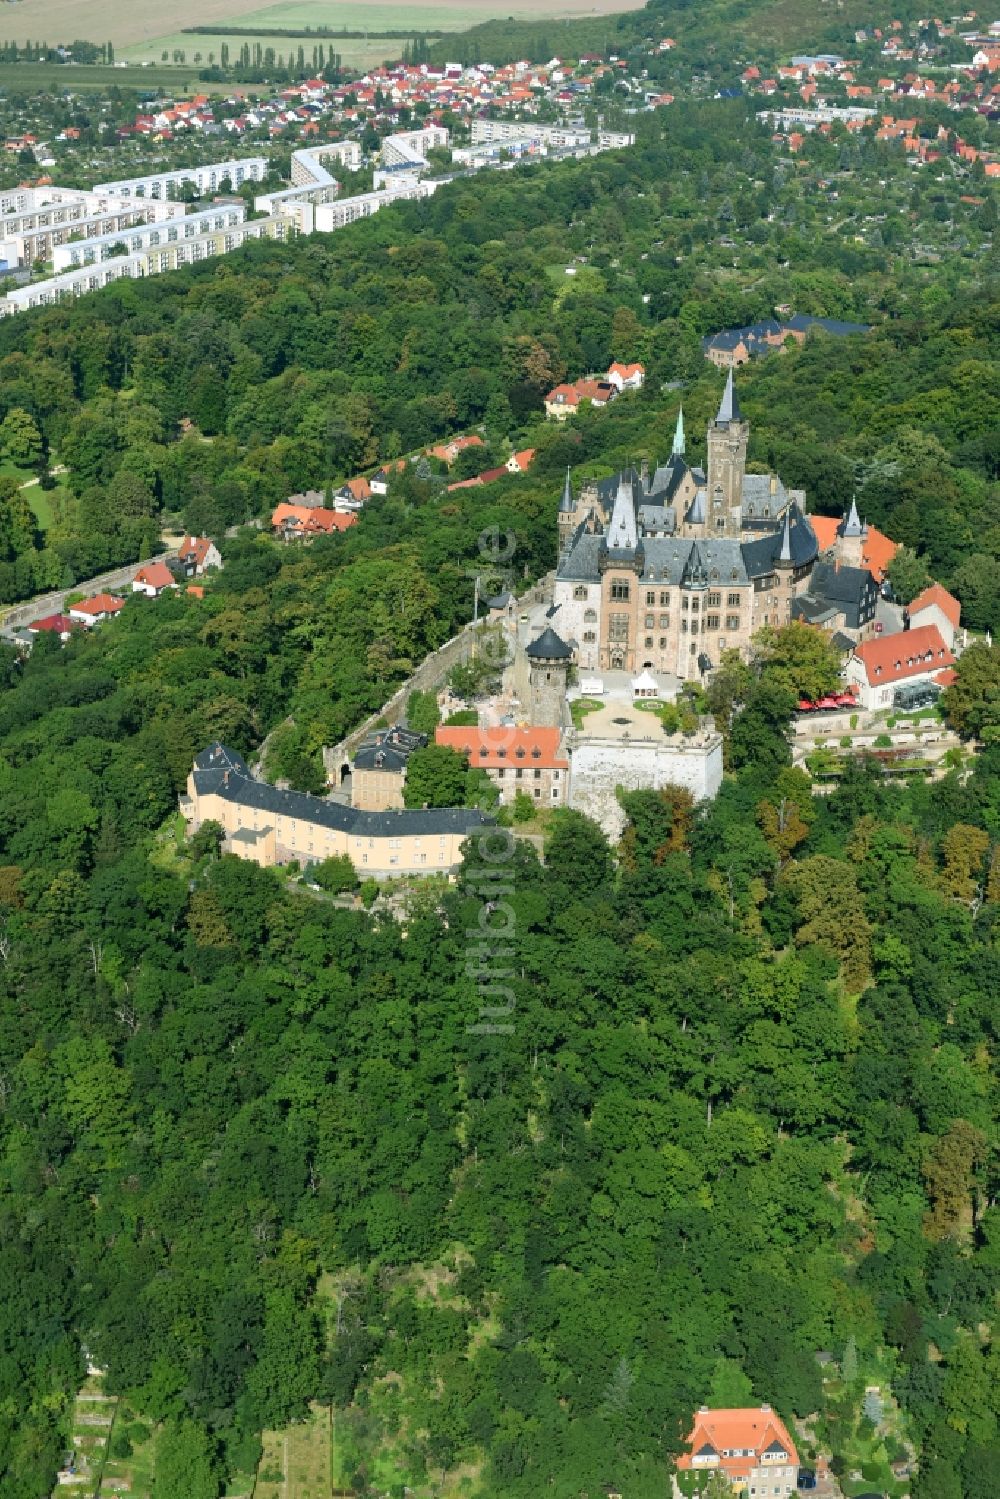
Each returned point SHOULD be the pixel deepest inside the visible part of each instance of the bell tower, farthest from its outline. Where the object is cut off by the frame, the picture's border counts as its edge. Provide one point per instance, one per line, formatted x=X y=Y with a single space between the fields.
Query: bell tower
x=727 y=465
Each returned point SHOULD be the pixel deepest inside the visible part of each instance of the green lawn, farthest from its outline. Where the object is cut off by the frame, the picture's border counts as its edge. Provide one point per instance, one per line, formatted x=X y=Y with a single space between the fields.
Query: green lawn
x=580 y=707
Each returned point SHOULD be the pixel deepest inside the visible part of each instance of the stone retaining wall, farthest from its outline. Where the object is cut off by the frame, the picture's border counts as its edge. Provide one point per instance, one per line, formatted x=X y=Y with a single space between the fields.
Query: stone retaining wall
x=427 y=677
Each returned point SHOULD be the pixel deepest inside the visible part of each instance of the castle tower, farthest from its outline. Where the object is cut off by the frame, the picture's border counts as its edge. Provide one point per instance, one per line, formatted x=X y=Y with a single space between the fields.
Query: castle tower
x=727 y=463
x=549 y=660
x=567 y=513
x=851 y=537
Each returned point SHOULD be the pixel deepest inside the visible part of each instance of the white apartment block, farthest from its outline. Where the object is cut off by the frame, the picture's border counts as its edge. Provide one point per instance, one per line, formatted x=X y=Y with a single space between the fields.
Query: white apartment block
x=409 y=149
x=555 y=137
x=206 y=179
x=147 y=236
x=149 y=262
x=330 y=216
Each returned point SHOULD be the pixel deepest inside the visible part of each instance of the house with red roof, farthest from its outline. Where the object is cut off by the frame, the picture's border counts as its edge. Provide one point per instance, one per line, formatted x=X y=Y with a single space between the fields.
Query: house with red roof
x=197 y=554
x=936 y=606
x=871 y=547
x=519 y=463
x=304 y=522
x=54 y=624
x=911 y=658
x=750 y=1446
x=95 y=611
x=153 y=579
x=515 y=759
x=626 y=376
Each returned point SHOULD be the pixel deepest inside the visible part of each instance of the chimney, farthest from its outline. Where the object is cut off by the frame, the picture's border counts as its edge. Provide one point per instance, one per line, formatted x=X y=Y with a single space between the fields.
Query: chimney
x=774 y=484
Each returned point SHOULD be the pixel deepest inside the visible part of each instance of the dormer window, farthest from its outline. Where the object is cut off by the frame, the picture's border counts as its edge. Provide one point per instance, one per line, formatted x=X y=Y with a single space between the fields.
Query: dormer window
x=501 y=754
x=536 y=753
x=483 y=752
x=519 y=752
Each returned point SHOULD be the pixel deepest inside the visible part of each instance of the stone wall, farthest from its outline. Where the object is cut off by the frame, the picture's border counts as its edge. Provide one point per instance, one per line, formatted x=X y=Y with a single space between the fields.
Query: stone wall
x=599 y=766
x=428 y=677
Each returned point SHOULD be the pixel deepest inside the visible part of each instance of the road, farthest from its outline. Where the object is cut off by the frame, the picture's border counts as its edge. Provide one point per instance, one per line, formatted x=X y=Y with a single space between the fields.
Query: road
x=19 y=615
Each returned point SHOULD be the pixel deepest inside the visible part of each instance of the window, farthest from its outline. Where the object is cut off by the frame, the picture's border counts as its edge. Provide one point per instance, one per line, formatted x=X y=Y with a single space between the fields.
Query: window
x=538 y=792
x=648 y=641
x=620 y=590
x=519 y=752
x=618 y=628
x=663 y=642
x=712 y=622
x=664 y=601
x=695 y=605
x=733 y=600
x=685 y=603
x=650 y=600
x=732 y=621
x=590 y=616
x=664 y=621
x=684 y=626
x=579 y=592
x=538 y=775
x=518 y=775
x=694 y=627
x=589 y=637
x=650 y=621
x=714 y=600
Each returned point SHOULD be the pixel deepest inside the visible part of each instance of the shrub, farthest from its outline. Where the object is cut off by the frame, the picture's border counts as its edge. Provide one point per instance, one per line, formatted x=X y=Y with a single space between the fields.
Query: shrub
x=854 y=720
x=523 y=809
x=120 y=1444
x=465 y=718
x=845 y=742
x=883 y=742
x=369 y=894
x=335 y=874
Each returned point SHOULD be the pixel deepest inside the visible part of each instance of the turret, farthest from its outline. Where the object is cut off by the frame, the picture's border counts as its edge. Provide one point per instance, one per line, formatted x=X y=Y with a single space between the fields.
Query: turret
x=851 y=535
x=549 y=660
x=567 y=513
x=678 y=447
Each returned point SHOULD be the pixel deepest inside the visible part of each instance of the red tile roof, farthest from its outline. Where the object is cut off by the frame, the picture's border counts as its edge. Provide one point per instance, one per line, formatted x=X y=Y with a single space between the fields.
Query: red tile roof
x=101 y=603
x=310 y=520
x=490 y=748
x=59 y=624
x=945 y=601
x=194 y=549
x=746 y=1431
x=877 y=550
x=155 y=574
x=910 y=653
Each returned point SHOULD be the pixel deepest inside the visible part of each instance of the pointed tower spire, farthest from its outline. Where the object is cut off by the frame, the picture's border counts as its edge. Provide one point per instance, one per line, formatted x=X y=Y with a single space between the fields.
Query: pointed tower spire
x=623 y=533
x=785 y=554
x=567 y=502
x=694 y=574
x=729 y=406
x=852 y=521
x=678 y=448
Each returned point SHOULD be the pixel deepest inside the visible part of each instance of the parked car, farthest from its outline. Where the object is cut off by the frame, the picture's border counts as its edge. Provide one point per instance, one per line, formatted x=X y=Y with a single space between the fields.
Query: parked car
x=807 y=1479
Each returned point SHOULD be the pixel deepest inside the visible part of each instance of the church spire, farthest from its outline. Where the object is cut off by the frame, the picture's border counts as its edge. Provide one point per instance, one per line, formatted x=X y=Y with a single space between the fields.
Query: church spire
x=623 y=534
x=694 y=574
x=567 y=502
x=785 y=554
x=678 y=448
x=729 y=406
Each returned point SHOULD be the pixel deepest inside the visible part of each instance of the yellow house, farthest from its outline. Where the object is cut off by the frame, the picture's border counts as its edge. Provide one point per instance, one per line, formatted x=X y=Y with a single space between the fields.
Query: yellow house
x=270 y=826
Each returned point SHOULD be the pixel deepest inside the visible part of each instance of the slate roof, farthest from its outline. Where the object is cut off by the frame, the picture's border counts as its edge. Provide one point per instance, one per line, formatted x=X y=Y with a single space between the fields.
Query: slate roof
x=846 y=585
x=222 y=771
x=388 y=749
x=549 y=646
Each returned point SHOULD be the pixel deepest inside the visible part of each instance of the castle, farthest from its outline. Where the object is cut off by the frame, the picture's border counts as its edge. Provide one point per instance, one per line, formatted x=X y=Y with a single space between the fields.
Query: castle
x=665 y=572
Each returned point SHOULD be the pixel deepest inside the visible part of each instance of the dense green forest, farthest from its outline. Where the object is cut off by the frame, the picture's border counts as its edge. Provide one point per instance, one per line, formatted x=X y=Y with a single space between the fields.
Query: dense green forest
x=253 y=1151
x=743 y=1113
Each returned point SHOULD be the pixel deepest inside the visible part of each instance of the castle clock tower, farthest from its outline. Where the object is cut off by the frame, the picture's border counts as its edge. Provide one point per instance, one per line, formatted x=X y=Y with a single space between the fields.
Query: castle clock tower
x=727 y=464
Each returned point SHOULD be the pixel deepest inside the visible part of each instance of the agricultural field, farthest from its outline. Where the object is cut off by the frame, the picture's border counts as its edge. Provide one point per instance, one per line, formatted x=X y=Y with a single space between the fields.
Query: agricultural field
x=52 y=77
x=136 y=27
